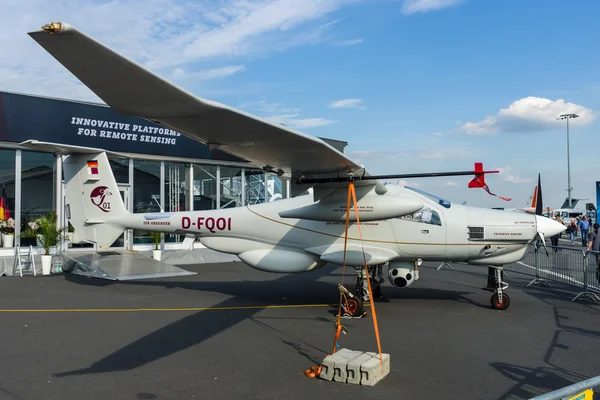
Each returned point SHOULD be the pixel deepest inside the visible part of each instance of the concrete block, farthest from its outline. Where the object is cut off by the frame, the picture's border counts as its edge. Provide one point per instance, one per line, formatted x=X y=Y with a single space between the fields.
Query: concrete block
x=373 y=370
x=341 y=365
x=353 y=368
x=386 y=361
x=328 y=366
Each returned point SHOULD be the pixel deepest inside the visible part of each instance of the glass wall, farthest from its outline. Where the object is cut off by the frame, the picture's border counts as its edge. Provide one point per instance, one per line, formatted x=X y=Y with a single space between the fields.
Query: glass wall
x=7 y=187
x=38 y=188
x=205 y=187
x=176 y=176
x=146 y=193
x=255 y=186
x=230 y=187
x=120 y=169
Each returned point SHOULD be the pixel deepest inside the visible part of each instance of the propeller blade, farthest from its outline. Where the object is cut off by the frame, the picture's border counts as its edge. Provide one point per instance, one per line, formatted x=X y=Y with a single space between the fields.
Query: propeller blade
x=541 y=237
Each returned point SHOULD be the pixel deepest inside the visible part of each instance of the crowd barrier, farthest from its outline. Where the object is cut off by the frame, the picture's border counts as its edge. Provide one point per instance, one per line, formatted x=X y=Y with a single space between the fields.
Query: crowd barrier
x=571 y=266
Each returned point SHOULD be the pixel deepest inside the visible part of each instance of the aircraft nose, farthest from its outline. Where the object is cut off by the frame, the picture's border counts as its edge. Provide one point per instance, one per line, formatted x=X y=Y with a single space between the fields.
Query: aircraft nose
x=548 y=227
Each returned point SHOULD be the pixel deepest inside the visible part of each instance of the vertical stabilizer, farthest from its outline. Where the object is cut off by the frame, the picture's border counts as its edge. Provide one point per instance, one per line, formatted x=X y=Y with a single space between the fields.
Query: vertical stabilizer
x=94 y=204
x=534 y=197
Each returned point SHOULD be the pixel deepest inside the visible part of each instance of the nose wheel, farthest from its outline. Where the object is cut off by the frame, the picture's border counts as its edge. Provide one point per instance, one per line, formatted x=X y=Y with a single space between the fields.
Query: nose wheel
x=500 y=300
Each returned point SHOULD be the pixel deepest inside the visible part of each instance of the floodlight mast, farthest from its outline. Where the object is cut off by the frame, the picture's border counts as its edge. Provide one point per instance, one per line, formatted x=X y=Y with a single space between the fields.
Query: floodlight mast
x=567 y=117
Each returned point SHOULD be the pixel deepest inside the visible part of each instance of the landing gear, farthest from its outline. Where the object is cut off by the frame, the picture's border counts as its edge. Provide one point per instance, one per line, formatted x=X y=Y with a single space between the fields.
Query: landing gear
x=377 y=279
x=352 y=305
x=499 y=300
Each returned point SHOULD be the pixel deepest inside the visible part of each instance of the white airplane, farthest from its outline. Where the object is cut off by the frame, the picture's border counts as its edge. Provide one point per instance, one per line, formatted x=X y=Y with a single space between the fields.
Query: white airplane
x=398 y=225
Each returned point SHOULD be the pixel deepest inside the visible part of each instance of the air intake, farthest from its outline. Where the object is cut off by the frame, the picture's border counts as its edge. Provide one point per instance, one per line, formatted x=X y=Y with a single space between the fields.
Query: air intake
x=476 y=232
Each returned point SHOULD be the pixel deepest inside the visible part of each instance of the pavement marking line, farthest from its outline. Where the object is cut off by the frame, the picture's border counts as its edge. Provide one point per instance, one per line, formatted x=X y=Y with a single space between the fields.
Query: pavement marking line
x=89 y=310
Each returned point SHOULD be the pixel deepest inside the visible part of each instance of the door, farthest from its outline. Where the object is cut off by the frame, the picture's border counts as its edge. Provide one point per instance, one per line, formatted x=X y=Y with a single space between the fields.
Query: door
x=123 y=242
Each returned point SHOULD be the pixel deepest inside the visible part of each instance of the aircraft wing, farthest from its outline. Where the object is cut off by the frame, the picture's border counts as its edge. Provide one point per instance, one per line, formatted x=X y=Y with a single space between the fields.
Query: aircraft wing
x=133 y=90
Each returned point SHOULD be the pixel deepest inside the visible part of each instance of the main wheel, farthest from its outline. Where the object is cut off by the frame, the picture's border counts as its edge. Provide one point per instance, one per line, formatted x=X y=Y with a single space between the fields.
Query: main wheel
x=495 y=301
x=354 y=307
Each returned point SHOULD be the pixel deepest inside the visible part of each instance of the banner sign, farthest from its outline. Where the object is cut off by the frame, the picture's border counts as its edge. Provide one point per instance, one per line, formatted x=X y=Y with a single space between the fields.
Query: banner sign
x=26 y=117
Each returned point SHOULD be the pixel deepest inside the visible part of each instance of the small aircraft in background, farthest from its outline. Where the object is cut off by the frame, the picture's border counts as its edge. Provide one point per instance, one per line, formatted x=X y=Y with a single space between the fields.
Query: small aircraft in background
x=346 y=216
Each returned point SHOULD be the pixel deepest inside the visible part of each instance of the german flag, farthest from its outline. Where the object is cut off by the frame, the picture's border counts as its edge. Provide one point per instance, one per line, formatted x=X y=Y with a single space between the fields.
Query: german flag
x=4 y=211
x=92 y=167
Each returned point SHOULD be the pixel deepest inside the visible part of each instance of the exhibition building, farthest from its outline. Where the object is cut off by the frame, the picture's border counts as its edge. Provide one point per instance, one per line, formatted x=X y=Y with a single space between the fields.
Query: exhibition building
x=156 y=168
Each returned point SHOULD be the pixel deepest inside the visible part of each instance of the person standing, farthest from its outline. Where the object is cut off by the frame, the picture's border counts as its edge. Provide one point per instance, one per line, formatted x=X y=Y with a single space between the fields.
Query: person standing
x=571 y=229
x=584 y=227
x=594 y=245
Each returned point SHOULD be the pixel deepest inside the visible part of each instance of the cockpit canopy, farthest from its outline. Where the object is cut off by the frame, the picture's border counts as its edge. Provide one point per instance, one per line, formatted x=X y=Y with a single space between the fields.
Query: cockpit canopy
x=442 y=202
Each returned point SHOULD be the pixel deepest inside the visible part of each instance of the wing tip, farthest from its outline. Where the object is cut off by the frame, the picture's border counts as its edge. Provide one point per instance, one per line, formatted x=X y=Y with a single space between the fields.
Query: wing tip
x=52 y=28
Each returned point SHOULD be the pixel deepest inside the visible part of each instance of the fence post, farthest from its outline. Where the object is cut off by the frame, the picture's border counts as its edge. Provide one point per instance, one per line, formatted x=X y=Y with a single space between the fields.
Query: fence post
x=593 y=296
x=536 y=262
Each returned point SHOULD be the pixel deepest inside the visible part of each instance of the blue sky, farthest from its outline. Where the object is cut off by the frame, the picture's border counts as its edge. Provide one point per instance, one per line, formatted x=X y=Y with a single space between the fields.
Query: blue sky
x=413 y=86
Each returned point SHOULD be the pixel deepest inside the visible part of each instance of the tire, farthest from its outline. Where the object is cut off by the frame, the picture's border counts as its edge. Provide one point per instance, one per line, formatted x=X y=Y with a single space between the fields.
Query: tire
x=496 y=304
x=355 y=307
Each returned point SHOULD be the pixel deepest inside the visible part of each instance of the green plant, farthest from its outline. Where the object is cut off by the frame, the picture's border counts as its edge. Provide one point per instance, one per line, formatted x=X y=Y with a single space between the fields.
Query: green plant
x=156 y=237
x=49 y=233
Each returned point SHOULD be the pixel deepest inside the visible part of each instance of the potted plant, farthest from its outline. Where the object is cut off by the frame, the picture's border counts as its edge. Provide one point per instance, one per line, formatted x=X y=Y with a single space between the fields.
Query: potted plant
x=8 y=232
x=156 y=238
x=49 y=236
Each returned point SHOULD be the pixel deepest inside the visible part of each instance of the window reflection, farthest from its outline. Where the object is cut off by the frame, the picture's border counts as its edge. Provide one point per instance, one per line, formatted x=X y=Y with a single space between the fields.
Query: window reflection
x=205 y=187
x=38 y=189
x=425 y=215
x=255 y=186
x=146 y=193
x=120 y=169
x=231 y=187
x=175 y=193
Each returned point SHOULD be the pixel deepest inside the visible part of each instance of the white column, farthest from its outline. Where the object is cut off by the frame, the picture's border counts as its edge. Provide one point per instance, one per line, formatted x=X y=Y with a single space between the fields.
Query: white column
x=243 y=174
x=17 y=209
x=218 y=187
x=58 y=200
x=162 y=198
x=190 y=185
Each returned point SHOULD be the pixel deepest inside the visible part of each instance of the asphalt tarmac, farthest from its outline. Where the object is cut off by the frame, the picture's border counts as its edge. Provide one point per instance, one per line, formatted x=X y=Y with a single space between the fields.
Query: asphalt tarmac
x=445 y=341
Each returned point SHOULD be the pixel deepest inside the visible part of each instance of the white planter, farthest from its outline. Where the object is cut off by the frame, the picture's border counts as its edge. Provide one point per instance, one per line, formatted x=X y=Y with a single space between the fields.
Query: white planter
x=8 y=240
x=46 y=264
x=156 y=254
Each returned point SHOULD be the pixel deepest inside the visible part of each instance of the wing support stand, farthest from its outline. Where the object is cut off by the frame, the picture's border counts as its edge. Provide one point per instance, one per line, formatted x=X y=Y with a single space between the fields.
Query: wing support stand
x=445 y=265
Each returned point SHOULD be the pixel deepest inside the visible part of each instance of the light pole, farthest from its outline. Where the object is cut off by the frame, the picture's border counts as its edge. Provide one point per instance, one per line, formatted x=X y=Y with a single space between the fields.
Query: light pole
x=567 y=117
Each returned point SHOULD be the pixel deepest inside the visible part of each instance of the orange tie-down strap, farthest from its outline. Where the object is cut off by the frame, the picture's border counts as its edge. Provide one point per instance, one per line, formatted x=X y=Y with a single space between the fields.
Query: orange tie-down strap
x=315 y=370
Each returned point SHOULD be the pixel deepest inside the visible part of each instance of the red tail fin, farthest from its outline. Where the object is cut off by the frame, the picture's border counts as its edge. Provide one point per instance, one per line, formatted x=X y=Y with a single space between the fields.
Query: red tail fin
x=479 y=181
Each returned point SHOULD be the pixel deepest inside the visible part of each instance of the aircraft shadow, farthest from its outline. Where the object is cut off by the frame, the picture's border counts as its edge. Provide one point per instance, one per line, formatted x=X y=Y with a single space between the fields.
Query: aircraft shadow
x=200 y=326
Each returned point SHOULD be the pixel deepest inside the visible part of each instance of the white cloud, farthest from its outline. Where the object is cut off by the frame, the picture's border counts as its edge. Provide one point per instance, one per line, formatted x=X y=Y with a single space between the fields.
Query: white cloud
x=298 y=123
x=517 y=179
x=166 y=37
x=509 y=177
x=246 y=21
x=424 y=6
x=431 y=156
x=530 y=114
x=207 y=74
x=349 y=42
x=348 y=103
x=451 y=183
x=279 y=114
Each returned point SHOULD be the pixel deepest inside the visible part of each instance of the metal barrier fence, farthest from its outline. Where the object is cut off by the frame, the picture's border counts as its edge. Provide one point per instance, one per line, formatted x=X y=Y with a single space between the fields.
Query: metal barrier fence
x=567 y=265
x=579 y=391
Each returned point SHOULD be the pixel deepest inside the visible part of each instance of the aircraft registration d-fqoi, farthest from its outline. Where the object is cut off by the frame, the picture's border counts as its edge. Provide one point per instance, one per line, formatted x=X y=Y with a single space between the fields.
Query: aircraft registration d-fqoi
x=304 y=232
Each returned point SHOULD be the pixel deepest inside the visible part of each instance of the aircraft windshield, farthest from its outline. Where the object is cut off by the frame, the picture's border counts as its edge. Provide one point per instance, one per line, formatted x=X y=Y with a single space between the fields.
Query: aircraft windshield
x=444 y=203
